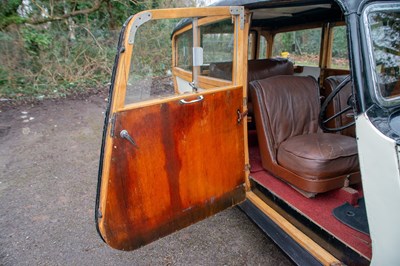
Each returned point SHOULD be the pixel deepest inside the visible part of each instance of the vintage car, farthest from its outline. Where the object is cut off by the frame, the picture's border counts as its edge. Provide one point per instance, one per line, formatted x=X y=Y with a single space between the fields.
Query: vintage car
x=289 y=109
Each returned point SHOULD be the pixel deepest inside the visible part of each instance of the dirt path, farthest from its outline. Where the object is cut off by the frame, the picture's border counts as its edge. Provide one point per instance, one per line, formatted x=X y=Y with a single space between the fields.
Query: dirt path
x=48 y=177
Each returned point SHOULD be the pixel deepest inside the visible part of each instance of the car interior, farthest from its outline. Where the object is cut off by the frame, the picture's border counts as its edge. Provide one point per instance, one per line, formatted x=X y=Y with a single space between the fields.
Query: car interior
x=301 y=134
x=303 y=157
x=255 y=106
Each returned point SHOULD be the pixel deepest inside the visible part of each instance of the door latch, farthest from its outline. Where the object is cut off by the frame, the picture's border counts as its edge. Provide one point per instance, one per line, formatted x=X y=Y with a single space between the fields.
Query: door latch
x=125 y=135
x=241 y=115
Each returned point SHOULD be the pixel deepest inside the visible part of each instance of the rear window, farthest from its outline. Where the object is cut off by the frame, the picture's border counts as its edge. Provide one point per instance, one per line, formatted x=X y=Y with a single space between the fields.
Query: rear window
x=251 y=53
x=302 y=47
x=263 y=48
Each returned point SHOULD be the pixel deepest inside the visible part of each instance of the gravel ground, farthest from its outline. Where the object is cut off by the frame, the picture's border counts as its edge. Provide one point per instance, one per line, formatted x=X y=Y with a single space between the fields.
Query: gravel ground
x=48 y=176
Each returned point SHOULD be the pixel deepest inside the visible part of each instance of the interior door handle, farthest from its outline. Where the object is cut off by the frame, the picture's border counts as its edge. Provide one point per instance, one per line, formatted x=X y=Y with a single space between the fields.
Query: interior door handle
x=125 y=135
x=199 y=99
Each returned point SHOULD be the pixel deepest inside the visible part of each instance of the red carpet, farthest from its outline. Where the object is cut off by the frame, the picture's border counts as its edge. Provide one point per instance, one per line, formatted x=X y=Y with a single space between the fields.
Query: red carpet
x=318 y=209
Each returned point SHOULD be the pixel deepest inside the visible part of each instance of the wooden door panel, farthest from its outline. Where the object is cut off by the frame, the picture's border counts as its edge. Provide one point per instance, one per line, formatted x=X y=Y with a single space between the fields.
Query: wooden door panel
x=188 y=164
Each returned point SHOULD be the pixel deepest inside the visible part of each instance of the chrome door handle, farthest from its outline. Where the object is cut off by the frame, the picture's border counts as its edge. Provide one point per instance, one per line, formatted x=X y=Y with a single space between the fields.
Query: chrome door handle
x=125 y=135
x=200 y=98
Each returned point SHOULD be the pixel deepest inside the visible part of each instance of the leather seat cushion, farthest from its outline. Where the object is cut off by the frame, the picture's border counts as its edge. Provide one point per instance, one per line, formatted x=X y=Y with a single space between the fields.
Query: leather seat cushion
x=319 y=155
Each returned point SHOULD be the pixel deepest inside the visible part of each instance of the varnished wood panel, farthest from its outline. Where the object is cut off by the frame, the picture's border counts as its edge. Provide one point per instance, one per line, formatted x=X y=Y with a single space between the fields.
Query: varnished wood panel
x=188 y=165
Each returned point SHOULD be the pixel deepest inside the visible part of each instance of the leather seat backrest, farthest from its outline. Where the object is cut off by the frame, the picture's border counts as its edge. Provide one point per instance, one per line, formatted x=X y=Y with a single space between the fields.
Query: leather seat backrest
x=257 y=69
x=339 y=103
x=264 y=68
x=284 y=107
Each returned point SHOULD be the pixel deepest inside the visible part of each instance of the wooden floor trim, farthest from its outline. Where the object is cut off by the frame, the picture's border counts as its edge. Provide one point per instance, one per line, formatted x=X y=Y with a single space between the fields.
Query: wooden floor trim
x=307 y=243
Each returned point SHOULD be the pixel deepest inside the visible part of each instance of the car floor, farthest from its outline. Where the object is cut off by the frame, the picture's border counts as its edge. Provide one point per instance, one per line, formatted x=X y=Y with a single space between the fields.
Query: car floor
x=318 y=209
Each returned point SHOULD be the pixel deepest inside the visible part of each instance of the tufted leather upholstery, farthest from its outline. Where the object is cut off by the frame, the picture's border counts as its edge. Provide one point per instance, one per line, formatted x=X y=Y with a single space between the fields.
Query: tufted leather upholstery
x=339 y=103
x=292 y=146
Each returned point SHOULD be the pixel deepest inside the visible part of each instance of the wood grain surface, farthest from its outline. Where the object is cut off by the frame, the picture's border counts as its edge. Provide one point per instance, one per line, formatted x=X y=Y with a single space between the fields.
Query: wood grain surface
x=188 y=164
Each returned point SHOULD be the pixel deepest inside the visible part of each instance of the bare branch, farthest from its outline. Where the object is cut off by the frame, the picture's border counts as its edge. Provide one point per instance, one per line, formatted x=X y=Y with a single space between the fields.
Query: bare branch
x=94 y=38
x=95 y=7
x=42 y=10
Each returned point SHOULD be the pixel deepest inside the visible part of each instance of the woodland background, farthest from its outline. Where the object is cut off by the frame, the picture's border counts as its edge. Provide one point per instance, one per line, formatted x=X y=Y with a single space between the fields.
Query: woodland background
x=55 y=48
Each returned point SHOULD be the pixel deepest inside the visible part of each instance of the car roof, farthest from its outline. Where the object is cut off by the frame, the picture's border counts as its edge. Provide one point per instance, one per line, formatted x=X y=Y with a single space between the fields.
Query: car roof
x=272 y=14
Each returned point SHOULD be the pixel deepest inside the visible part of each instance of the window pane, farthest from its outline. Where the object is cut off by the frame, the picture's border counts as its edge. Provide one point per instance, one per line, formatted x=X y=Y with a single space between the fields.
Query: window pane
x=251 y=46
x=263 y=48
x=185 y=43
x=217 y=42
x=301 y=46
x=150 y=72
x=340 y=56
x=385 y=37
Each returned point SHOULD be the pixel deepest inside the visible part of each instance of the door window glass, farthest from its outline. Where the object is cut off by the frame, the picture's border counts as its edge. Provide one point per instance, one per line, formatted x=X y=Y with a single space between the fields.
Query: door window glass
x=150 y=73
x=301 y=46
x=217 y=41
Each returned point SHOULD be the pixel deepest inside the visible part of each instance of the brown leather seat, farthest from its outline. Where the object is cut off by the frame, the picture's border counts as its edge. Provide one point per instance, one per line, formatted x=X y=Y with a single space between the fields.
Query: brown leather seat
x=256 y=70
x=292 y=146
x=265 y=68
x=339 y=103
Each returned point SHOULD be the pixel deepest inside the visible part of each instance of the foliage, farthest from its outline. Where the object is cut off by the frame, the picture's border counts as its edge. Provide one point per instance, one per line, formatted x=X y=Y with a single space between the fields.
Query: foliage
x=304 y=46
x=55 y=48
x=8 y=13
x=298 y=42
x=35 y=65
x=339 y=47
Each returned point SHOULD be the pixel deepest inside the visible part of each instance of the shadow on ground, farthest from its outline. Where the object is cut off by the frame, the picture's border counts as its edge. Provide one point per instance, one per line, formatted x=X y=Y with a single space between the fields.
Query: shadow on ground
x=48 y=176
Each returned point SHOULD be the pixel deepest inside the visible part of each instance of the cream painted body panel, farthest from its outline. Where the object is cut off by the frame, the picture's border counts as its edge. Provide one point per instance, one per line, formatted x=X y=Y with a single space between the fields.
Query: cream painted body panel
x=379 y=163
x=183 y=85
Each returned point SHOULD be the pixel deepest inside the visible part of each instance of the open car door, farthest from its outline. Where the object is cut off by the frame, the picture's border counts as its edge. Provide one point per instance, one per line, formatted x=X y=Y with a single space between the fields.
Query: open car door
x=171 y=159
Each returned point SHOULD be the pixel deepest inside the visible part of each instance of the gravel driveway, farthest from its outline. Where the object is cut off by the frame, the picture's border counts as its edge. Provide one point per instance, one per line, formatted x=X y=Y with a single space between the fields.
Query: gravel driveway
x=48 y=176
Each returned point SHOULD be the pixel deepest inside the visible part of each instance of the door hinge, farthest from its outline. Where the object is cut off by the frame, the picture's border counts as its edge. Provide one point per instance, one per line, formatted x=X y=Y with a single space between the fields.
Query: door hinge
x=241 y=115
x=238 y=11
x=112 y=124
